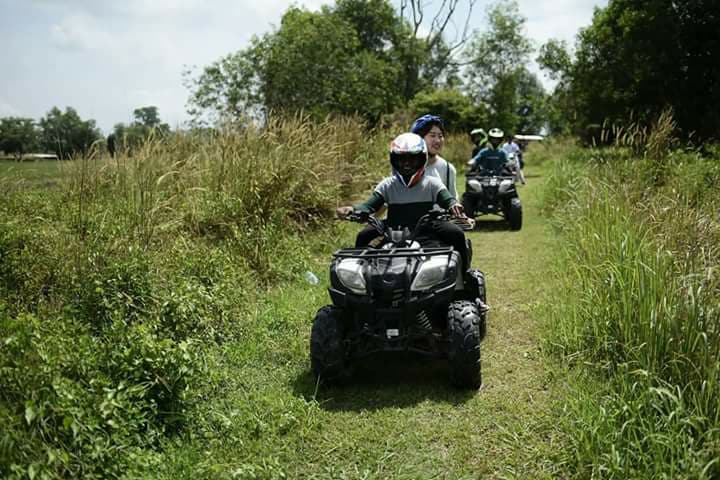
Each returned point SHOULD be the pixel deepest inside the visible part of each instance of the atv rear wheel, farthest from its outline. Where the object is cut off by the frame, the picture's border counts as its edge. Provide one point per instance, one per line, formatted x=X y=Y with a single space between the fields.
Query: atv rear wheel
x=474 y=289
x=482 y=326
x=464 y=344
x=327 y=348
x=514 y=214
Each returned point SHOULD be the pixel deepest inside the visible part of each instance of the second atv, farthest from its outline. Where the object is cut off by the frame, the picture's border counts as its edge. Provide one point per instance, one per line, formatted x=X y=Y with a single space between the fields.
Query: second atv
x=493 y=193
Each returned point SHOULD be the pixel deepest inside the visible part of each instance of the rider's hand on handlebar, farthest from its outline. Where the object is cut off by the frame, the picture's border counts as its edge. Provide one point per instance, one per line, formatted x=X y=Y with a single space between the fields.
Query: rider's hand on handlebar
x=343 y=212
x=457 y=210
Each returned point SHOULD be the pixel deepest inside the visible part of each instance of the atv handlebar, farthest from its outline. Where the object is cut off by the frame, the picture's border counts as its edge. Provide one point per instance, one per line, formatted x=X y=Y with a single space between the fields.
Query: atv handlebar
x=358 y=216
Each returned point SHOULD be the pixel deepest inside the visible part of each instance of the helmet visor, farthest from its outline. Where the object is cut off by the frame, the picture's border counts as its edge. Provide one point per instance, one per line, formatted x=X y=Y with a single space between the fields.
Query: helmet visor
x=407 y=164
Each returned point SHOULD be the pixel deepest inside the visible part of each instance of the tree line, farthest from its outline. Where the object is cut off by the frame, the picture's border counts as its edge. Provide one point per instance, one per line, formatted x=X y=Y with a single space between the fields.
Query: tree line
x=636 y=60
x=63 y=133
x=67 y=135
x=364 y=57
x=367 y=58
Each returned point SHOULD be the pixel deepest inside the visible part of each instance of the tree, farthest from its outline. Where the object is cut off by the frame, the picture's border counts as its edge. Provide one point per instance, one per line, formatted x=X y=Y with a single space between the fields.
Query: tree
x=358 y=56
x=438 y=54
x=316 y=62
x=457 y=110
x=637 y=58
x=18 y=135
x=498 y=70
x=229 y=88
x=147 y=116
x=555 y=59
x=147 y=121
x=66 y=134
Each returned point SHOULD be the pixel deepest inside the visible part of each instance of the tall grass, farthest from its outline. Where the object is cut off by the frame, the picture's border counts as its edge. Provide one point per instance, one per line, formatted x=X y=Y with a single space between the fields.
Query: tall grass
x=639 y=302
x=117 y=280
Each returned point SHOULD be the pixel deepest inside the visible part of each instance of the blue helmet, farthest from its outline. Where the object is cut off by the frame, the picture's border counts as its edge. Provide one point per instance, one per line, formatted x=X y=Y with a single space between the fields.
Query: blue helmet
x=423 y=124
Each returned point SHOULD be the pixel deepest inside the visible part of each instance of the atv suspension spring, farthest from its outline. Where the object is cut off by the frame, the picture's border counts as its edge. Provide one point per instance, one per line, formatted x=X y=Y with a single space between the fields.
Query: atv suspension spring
x=423 y=320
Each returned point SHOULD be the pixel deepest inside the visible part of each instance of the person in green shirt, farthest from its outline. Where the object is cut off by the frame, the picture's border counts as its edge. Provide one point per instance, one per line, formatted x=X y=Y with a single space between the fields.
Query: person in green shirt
x=492 y=160
x=409 y=194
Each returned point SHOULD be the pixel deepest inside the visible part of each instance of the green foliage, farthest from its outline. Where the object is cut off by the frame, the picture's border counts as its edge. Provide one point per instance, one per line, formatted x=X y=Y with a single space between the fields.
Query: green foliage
x=18 y=135
x=118 y=281
x=639 y=301
x=66 y=134
x=555 y=58
x=147 y=123
x=317 y=62
x=228 y=89
x=644 y=57
x=71 y=400
x=498 y=75
x=457 y=110
x=374 y=22
x=355 y=57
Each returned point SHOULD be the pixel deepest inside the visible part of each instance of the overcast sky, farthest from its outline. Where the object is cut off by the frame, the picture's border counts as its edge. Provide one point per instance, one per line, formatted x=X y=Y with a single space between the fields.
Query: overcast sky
x=107 y=58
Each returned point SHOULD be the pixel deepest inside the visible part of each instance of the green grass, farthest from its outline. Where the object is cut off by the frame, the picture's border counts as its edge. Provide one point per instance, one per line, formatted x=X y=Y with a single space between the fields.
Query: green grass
x=637 y=303
x=155 y=323
x=41 y=172
x=399 y=418
x=154 y=319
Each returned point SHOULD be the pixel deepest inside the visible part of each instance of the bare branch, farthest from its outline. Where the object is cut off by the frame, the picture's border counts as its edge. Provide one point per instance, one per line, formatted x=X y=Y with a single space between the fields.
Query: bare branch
x=417 y=11
x=464 y=37
x=436 y=20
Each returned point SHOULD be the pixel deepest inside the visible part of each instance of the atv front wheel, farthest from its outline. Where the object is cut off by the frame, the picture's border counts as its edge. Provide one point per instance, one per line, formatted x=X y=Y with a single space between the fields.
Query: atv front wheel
x=514 y=214
x=464 y=344
x=468 y=206
x=327 y=348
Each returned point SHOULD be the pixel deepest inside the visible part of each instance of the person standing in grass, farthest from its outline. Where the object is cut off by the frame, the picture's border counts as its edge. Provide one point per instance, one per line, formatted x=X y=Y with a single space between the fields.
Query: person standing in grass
x=432 y=129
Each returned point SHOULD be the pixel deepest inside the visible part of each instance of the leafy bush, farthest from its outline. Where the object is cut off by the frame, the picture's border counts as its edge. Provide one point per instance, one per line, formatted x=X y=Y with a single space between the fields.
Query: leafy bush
x=117 y=281
x=78 y=405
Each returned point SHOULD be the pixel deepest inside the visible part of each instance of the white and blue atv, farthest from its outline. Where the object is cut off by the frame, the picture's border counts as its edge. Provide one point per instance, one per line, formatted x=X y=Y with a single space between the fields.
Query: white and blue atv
x=400 y=297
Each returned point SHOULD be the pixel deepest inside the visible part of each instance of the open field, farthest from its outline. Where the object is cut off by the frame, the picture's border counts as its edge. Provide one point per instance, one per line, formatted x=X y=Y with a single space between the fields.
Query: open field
x=157 y=306
x=399 y=418
x=35 y=172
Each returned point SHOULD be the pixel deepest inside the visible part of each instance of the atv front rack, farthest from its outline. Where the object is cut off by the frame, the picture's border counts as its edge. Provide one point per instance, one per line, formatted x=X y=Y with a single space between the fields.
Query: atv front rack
x=392 y=252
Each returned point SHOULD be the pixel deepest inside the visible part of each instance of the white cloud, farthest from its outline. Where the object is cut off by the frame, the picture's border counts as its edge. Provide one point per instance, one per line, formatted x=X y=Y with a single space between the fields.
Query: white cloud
x=559 y=19
x=80 y=32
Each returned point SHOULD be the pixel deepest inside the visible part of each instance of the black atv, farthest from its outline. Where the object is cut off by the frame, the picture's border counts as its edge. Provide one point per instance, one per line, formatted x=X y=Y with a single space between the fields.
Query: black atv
x=493 y=192
x=400 y=297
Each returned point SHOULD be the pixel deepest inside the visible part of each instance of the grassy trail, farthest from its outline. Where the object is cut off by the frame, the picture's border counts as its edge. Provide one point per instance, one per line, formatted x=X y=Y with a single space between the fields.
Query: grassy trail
x=406 y=422
x=398 y=419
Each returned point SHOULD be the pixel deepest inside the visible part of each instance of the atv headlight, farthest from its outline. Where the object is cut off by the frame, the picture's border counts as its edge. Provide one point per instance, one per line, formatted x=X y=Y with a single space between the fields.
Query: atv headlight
x=432 y=272
x=475 y=185
x=505 y=186
x=350 y=273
